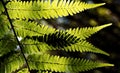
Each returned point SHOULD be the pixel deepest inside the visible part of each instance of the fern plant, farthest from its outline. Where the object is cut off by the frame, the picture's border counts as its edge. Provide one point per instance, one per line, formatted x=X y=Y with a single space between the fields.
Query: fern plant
x=32 y=54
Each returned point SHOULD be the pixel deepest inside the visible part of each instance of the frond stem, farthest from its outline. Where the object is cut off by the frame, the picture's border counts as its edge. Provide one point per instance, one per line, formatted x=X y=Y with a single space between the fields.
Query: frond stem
x=21 y=47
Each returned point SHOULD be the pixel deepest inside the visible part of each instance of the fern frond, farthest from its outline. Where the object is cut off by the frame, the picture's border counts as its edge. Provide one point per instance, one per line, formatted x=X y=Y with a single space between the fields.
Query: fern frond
x=61 y=40
x=84 y=46
x=4 y=26
x=12 y=63
x=1 y=8
x=84 y=33
x=25 y=28
x=33 y=46
x=62 y=64
x=46 y=9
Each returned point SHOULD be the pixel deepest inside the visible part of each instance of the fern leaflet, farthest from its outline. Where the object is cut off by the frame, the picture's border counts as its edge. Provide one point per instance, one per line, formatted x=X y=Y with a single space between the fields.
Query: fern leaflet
x=25 y=28
x=12 y=63
x=46 y=9
x=84 y=33
x=62 y=64
x=80 y=46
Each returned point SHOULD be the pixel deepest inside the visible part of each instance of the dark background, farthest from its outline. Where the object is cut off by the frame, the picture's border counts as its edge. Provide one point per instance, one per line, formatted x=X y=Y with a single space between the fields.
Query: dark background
x=107 y=39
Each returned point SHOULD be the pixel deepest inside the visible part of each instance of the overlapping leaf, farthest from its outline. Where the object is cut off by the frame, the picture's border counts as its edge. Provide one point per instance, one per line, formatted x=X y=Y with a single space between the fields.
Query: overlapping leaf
x=36 y=37
x=78 y=46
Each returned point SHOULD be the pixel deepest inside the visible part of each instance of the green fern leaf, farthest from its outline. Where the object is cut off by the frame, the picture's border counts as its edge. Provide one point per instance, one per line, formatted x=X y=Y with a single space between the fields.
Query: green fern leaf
x=46 y=9
x=25 y=28
x=84 y=33
x=84 y=46
x=4 y=26
x=34 y=46
x=62 y=64
x=12 y=63
x=1 y=8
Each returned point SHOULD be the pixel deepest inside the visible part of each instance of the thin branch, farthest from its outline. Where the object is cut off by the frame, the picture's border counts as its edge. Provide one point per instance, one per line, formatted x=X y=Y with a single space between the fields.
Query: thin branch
x=21 y=47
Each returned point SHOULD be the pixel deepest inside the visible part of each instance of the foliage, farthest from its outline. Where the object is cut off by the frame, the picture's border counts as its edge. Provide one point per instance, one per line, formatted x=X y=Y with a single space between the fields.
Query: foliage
x=32 y=52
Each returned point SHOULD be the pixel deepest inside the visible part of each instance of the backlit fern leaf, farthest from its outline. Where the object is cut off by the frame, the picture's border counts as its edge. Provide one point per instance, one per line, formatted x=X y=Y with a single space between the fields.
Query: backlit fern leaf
x=25 y=28
x=34 y=45
x=62 y=64
x=84 y=33
x=84 y=46
x=46 y=9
